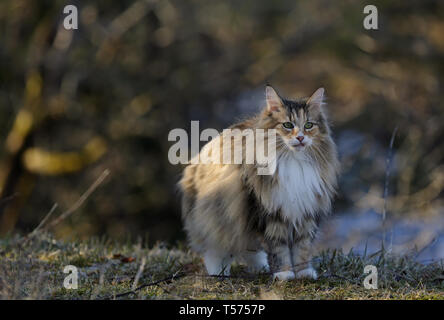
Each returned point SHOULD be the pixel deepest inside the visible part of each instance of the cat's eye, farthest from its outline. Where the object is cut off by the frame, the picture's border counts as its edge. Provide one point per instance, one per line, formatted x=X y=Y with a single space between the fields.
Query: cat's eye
x=308 y=125
x=288 y=125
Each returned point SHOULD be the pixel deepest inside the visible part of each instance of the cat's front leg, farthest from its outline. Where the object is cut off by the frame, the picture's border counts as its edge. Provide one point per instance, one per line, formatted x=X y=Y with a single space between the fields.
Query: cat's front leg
x=279 y=254
x=302 y=255
x=279 y=257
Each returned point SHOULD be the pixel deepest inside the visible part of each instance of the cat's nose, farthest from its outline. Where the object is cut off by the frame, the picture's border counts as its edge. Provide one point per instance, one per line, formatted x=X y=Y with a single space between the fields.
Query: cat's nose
x=300 y=138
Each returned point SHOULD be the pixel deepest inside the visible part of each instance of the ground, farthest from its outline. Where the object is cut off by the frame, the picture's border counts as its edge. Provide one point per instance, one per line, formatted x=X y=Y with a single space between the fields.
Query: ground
x=33 y=269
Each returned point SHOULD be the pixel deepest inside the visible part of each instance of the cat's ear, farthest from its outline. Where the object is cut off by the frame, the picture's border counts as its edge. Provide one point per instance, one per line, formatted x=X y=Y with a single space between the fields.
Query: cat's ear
x=316 y=100
x=274 y=102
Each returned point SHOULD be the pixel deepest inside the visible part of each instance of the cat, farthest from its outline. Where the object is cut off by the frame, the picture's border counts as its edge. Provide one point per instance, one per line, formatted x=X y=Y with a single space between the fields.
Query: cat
x=269 y=222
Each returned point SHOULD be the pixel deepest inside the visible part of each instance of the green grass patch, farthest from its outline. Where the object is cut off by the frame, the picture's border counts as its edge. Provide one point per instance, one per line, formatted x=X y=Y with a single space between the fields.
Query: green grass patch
x=34 y=270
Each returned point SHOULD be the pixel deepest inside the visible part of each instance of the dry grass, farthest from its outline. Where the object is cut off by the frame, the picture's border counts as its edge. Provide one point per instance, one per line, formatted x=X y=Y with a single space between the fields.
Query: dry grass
x=34 y=270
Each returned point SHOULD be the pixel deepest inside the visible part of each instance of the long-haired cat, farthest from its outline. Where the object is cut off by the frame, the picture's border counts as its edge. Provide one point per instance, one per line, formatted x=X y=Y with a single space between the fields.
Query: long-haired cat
x=266 y=221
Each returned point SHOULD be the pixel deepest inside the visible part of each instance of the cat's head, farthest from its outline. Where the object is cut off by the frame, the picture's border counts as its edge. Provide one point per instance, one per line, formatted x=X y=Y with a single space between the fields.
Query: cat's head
x=300 y=124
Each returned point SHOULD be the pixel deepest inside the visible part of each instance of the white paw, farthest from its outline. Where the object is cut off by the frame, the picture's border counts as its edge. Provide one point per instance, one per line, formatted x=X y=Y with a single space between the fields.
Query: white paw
x=217 y=263
x=283 y=275
x=308 y=273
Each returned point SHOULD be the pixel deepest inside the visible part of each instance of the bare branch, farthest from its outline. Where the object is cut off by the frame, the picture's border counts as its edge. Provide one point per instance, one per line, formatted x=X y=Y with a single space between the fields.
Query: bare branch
x=79 y=202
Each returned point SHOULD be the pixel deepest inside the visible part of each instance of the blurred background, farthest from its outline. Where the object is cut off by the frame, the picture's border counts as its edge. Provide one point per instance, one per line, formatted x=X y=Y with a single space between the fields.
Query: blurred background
x=76 y=102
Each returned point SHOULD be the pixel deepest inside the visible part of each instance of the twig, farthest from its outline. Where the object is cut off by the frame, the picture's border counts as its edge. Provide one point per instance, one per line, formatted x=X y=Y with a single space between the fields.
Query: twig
x=167 y=279
x=80 y=201
x=42 y=223
x=139 y=273
x=34 y=232
x=101 y=281
x=386 y=185
x=179 y=274
x=67 y=213
x=340 y=277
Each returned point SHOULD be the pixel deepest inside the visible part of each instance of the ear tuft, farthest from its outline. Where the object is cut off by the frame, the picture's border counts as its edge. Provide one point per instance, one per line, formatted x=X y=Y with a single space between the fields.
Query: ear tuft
x=274 y=102
x=316 y=99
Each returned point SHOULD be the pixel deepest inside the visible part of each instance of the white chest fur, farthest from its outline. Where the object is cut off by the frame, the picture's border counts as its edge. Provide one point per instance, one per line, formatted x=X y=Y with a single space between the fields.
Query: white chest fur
x=298 y=189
